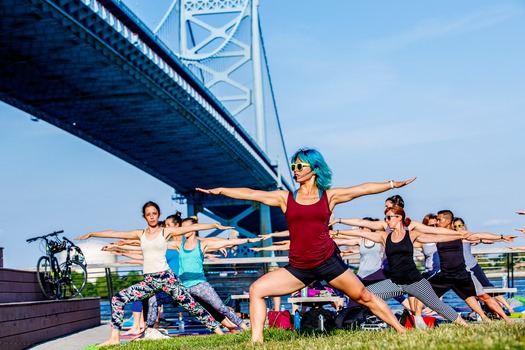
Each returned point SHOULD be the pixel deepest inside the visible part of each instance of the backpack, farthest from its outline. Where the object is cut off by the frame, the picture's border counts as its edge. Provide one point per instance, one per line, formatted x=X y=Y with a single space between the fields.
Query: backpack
x=352 y=317
x=310 y=319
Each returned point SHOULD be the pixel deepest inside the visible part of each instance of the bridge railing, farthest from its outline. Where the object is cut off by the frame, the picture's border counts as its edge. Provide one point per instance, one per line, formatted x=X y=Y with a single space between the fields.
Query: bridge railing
x=235 y=275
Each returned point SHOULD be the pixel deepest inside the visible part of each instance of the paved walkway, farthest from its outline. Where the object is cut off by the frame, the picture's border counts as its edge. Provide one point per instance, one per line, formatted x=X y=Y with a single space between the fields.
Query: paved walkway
x=78 y=340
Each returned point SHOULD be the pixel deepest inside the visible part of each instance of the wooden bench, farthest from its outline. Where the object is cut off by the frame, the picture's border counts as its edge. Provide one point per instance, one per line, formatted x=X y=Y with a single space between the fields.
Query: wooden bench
x=497 y=291
x=238 y=299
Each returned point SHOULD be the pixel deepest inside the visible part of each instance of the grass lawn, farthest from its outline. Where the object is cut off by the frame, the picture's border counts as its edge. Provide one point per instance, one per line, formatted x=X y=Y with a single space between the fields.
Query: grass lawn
x=495 y=335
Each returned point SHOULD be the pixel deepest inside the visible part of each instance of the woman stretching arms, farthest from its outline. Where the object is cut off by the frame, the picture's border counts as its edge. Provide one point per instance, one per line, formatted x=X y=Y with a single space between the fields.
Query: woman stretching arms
x=157 y=274
x=313 y=255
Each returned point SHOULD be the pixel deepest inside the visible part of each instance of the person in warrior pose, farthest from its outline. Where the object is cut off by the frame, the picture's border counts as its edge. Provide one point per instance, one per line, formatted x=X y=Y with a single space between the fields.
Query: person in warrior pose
x=313 y=254
x=157 y=274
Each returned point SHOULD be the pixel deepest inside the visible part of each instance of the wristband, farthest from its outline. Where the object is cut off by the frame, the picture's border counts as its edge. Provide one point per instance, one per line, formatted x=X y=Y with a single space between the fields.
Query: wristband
x=337 y=233
x=502 y=237
x=391 y=184
x=339 y=221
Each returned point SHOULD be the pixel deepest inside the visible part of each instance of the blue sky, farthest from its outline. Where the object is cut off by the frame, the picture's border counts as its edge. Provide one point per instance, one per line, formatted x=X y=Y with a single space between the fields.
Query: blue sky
x=385 y=90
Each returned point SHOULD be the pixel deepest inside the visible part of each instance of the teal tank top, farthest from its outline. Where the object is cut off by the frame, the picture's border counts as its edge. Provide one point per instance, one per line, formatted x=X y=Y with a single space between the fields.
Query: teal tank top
x=191 y=269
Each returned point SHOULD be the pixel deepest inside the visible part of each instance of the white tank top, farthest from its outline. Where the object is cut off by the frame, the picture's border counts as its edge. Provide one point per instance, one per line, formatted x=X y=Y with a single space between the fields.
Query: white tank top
x=154 y=253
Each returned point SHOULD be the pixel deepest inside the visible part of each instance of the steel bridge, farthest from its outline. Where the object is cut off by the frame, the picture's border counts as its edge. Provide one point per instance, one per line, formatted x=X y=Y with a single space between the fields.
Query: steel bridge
x=93 y=69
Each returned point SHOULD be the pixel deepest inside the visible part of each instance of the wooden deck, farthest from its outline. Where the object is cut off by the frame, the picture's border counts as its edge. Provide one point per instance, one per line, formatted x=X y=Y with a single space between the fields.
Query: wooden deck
x=28 y=318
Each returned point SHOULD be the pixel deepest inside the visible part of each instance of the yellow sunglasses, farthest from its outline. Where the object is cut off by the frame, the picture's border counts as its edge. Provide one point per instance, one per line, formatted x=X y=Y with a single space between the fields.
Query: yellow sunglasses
x=299 y=166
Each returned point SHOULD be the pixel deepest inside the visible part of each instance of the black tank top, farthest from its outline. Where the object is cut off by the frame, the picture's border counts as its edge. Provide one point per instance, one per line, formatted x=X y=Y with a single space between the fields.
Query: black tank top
x=451 y=260
x=400 y=257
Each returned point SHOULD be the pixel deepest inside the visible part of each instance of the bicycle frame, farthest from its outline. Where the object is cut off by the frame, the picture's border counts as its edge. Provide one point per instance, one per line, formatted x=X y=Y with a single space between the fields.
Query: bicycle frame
x=56 y=280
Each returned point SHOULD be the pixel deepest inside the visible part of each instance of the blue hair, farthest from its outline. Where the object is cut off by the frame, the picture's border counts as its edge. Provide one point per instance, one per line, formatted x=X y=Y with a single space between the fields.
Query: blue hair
x=323 y=178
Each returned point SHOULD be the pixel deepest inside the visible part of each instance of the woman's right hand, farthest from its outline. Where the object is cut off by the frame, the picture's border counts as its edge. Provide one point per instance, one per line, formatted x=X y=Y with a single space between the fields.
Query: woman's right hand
x=210 y=191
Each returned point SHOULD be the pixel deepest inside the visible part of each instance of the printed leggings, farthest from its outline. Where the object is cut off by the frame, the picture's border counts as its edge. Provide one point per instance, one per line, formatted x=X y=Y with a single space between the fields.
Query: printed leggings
x=202 y=291
x=422 y=290
x=165 y=281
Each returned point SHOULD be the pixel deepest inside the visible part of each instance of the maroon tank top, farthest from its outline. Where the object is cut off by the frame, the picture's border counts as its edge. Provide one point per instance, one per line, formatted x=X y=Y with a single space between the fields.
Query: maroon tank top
x=310 y=242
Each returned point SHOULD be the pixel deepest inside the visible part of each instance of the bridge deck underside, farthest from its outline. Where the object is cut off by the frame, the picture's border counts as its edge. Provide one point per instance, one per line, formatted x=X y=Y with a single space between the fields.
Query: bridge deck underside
x=110 y=96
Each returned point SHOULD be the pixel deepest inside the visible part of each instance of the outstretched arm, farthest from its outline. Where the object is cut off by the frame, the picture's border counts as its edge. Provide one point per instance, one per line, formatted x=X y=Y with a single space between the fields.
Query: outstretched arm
x=135 y=234
x=487 y=237
x=214 y=245
x=271 y=198
x=414 y=225
x=347 y=241
x=422 y=237
x=373 y=225
x=376 y=236
x=275 y=234
x=179 y=231
x=345 y=194
x=283 y=245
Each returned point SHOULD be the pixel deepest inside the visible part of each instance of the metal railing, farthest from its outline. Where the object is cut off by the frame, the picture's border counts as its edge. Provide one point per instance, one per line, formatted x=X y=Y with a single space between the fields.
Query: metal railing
x=234 y=275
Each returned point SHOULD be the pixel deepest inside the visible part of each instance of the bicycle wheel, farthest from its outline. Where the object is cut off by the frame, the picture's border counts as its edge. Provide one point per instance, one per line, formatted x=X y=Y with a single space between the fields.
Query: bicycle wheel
x=73 y=279
x=45 y=277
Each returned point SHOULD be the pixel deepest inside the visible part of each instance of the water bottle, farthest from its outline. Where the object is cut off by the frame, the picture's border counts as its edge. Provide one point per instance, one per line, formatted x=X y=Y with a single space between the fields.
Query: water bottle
x=320 y=324
x=304 y=292
x=504 y=281
x=181 y=322
x=297 y=320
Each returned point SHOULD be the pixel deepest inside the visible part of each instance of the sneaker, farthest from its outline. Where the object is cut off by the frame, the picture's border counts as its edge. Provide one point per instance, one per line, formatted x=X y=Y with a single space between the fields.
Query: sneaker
x=420 y=323
x=153 y=333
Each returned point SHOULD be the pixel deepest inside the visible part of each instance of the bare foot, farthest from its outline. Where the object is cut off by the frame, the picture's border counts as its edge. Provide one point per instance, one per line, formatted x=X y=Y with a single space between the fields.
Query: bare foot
x=109 y=342
x=234 y=330
x=133 y=331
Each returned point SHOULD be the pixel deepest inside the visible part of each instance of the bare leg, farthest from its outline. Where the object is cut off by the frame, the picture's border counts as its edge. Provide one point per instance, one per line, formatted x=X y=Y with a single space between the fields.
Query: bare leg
x=352 y=286
x=503 y=302
x=114 y=338
x=494 y=306
x=277 y=282
x=472 y=302
x=410 y=304
x=276 y=303
x=138 y=324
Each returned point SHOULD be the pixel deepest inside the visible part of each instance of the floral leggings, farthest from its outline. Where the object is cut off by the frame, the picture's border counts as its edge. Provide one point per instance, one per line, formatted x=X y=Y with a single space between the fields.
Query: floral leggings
x=165 y=281
x=202 y=291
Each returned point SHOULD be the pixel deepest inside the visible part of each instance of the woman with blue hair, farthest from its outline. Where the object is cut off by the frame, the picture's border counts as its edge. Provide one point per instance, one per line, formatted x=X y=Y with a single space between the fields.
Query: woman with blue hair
x=313 y=254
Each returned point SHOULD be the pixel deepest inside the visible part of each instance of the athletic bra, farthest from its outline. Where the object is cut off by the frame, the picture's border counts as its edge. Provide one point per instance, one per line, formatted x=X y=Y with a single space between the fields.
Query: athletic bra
x=154 y=253
x=370 y=258
x=400 y=257
x=451 y=261
x=310 y=242
x=191 y=269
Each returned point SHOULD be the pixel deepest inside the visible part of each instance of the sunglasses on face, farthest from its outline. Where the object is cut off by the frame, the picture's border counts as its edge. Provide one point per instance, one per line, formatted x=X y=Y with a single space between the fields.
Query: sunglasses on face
x=389 y=217
x=299 y=166
x=433 y=225
x=458 y=226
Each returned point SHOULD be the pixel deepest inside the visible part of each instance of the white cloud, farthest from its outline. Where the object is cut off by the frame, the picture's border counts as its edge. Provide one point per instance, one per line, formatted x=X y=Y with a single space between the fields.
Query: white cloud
x=439 y=27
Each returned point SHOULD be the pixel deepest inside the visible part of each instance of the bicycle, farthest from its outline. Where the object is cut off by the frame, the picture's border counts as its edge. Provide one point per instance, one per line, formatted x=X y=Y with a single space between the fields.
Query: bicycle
x=60 y=280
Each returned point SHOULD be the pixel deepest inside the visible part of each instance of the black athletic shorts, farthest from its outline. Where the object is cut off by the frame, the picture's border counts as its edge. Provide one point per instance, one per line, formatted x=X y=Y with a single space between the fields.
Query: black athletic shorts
x=463 y=287
x=331 y=268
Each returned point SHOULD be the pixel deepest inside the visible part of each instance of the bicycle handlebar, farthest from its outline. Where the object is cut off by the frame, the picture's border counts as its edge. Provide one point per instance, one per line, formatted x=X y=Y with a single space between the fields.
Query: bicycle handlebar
x=44 y=236
x=68 y=241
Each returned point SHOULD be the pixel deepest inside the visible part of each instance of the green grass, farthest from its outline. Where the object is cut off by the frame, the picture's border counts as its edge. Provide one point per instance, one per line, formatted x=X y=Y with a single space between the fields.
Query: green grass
x=495 y=335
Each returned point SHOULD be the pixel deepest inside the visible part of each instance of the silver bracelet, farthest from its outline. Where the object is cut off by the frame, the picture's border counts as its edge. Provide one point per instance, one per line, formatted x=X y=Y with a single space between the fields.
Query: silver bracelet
x=391 y=184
